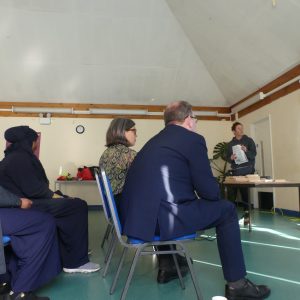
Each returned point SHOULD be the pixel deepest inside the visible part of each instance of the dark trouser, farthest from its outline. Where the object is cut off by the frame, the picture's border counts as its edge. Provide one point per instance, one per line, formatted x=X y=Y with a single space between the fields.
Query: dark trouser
x=229 y=243
x=242 y=171
x=71 y=217
x=244 y=197
x=221 y=215
x=34 y=257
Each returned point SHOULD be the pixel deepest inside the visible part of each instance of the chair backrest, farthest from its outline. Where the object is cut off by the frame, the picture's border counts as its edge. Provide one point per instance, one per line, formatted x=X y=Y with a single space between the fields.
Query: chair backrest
x=102 y=195
x=111 y=202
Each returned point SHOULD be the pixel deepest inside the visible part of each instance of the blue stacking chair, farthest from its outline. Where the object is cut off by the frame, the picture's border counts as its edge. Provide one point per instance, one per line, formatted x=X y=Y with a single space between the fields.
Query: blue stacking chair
x=106 y=212
x=144 y=247
x=110 y=227
x=5 y=240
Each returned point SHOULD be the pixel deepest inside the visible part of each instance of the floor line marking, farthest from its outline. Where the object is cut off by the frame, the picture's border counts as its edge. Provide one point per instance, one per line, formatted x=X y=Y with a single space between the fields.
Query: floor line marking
x=258 y=243
x=271 y=245
x=251 y=272
x=272 y=231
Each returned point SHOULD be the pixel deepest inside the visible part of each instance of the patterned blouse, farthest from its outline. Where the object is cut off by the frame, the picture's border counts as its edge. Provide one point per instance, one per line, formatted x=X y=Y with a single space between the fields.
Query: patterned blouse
x=116 y=161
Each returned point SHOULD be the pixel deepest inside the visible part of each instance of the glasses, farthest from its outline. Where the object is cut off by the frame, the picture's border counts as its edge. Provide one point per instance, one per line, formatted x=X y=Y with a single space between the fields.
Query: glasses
x=193 y=117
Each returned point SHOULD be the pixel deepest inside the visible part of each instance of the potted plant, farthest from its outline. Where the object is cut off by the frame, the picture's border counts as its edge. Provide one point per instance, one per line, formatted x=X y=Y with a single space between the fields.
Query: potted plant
x=220 y=164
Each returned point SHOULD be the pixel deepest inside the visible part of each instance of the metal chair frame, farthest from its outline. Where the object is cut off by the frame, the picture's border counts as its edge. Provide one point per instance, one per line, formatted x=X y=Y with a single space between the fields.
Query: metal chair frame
x=140 y=246
x=110 y=231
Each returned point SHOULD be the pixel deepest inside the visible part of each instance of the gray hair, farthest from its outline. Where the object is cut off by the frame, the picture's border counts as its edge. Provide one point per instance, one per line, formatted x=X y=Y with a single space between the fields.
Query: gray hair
x=177 y=112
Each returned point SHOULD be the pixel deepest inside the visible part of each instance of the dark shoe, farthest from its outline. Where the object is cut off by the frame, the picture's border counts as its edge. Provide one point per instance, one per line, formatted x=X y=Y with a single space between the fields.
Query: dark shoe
x=248 y=292
x=246 y=218
x=5 y=288
x=182 y=261
x=27 y=296
x=165 y=276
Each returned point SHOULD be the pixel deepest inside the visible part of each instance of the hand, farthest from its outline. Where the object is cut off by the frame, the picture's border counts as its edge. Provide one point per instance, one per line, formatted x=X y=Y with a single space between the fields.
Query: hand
x=244 y=148
x=25 y=203
x=233 y=157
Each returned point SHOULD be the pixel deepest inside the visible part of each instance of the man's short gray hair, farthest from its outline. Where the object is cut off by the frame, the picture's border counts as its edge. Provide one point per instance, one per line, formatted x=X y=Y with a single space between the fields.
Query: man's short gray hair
x=177 y=111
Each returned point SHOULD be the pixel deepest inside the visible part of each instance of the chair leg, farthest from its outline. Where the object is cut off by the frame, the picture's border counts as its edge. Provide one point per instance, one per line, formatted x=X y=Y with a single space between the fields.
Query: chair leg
x=125 y=290
x=106 y=234
x=177 y=268
x=194 y=279
x=113 y=286
x=109 y=246
x=114 y=244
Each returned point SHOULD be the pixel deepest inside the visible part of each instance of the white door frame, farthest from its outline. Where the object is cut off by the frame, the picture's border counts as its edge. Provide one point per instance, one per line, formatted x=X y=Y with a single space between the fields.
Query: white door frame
x=254 y=193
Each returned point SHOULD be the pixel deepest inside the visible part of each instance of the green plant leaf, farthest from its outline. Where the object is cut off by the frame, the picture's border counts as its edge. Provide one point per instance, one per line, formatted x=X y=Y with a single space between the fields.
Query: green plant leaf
x=220 y=152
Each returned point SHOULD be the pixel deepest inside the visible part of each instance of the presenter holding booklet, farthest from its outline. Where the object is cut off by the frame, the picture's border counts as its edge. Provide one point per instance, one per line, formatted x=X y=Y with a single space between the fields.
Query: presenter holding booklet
x=241 y=155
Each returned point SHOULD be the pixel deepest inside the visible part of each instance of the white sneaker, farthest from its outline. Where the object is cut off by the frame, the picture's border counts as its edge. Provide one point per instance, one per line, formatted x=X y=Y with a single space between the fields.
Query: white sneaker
x=86 y=268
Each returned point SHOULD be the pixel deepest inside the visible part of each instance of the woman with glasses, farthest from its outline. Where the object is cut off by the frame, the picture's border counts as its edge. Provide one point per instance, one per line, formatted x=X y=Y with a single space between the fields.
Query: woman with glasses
x=117 y=158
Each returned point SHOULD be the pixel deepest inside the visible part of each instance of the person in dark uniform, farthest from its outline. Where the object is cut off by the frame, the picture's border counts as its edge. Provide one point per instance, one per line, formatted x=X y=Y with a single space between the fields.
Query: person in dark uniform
x=33 y=256
x=170 y=191
x=248 y=147
x=22 y=173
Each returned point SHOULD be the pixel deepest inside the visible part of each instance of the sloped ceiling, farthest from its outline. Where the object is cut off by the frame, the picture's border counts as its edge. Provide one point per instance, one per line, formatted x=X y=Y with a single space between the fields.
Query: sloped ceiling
x=208 y=52
x=243 y=44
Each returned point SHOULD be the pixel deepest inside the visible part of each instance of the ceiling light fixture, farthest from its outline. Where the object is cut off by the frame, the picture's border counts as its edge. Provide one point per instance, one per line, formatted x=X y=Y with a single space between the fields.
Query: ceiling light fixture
x=52 y=110
x=105 y=111
x=205 y=113
x=81 y=112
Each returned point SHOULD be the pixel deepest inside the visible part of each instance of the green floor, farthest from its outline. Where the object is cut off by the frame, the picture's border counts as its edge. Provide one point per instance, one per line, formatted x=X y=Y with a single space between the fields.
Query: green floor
x=271 y=251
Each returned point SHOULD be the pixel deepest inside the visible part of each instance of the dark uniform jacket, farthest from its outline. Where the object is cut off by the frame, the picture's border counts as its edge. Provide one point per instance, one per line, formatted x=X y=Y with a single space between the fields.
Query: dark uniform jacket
x=162 y=182
x=23 y=174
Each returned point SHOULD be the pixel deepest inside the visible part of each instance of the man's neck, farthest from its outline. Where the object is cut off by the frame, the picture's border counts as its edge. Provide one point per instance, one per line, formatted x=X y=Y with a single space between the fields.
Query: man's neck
x=184 y=125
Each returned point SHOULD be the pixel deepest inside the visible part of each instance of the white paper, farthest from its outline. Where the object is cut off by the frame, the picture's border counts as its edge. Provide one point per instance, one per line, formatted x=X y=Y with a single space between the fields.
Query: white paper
x=240 y=154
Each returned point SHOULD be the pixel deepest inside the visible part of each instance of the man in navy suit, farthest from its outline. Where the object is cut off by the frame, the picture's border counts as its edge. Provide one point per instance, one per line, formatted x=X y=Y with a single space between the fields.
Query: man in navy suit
x=170 y=190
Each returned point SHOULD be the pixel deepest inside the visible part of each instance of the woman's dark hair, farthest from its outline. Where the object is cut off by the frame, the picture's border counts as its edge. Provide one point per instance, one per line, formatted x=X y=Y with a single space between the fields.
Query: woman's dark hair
x=177 y=112
x=234 y=125
x=116 y=131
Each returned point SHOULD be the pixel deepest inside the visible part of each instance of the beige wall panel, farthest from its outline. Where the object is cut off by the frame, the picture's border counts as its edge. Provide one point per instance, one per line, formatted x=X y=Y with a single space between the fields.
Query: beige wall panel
x=285 y=134
x=62 y=147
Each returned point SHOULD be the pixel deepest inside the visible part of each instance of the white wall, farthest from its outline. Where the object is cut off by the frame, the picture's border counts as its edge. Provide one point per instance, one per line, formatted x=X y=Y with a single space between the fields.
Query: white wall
x=285 y=134
x=62 y=146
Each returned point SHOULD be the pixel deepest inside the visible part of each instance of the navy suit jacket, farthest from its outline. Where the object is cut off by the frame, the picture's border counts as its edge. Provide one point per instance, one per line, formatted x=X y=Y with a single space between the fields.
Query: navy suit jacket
x=160 y=186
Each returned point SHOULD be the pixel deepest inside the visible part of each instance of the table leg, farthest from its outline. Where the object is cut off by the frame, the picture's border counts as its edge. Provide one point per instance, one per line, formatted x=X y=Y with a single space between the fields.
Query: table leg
x=249 y=209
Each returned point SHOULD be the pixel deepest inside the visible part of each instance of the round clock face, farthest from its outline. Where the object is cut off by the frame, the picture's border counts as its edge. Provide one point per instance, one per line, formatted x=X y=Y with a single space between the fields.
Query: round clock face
x=80 y=129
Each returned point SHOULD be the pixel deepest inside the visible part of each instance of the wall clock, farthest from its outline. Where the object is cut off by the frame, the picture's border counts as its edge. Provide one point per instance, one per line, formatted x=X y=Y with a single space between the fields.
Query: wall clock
x=80 y=129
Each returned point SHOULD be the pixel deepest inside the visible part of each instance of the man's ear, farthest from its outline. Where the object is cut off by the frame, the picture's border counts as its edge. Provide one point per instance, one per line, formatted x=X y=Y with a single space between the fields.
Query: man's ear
x=188 y=123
